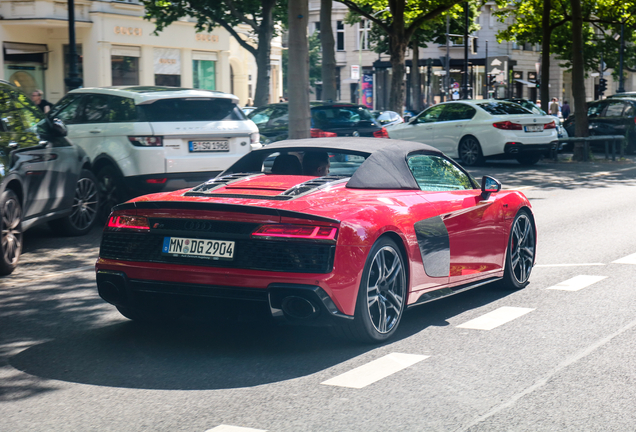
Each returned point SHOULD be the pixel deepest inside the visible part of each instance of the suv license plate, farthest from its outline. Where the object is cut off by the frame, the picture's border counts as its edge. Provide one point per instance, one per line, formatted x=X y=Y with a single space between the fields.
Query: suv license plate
x=209 y=146
x=198 y=248
x=534 y=128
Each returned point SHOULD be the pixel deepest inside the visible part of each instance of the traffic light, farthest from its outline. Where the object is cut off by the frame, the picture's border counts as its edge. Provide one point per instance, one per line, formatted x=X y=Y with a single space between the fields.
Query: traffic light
x=538 y=84
x=602 y=85
x=492 y=79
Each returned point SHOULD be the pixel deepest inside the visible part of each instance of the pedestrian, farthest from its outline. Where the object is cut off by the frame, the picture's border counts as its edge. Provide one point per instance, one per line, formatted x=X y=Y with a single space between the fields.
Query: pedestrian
x=250 y=102
x=43 y=104
x=554 y=107
x=565 y=110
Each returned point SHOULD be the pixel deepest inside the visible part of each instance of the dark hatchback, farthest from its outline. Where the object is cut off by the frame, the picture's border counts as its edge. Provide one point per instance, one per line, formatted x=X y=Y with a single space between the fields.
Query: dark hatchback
x=327 y=120
x=615 y=116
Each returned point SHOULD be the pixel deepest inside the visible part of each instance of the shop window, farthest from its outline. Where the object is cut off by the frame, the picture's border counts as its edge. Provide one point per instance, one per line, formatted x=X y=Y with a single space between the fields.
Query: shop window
x=168 y=80
x=204 y=74
x=125 y=70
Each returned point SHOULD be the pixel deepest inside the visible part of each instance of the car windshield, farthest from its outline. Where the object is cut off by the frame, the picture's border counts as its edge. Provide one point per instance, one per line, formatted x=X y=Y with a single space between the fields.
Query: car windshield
x=339 y=116
x=503 y=108
x=191 y=109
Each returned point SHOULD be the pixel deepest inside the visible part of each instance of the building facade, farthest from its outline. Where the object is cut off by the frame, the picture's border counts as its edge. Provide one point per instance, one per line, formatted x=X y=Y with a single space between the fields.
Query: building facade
x=116 y=46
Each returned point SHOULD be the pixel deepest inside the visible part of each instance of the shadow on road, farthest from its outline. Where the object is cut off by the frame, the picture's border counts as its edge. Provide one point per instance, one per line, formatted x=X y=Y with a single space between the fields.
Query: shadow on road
x=204 y=356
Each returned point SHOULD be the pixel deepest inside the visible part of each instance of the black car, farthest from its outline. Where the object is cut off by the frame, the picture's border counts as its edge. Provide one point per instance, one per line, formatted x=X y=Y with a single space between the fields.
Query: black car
x=328 y=119
x=615 y=116
x=43 y=177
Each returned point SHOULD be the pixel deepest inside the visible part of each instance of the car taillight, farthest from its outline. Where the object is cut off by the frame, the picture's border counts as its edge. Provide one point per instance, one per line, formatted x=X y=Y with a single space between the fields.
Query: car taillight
x=319 y=133
x=128 y=222
x=382 y=133
x=551 y=125
x=308 y=232
x=161 y=180
x=146 y=141
x=507 y=125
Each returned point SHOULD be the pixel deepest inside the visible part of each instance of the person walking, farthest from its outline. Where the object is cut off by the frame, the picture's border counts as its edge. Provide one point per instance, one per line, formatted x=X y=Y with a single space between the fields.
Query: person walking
x=43 y=104
x=554 y=107
x=565 y=110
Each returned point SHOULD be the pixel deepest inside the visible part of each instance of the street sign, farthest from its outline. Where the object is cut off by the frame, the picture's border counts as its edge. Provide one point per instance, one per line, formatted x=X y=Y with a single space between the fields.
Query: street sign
x=355 y=72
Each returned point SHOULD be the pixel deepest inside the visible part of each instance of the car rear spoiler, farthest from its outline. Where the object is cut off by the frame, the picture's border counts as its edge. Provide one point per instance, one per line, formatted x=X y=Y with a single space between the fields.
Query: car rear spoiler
x=235 y=208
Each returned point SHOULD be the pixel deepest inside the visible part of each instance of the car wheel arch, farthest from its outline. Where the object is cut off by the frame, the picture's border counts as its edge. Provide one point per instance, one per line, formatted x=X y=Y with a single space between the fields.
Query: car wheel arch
x=102 y=161
x=400 y=240
x=16 y=186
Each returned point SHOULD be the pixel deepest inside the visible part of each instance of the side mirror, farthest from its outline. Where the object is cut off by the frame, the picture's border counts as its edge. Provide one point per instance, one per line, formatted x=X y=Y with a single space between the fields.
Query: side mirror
x=58 y=128
x=407 y=118
x=489 y=185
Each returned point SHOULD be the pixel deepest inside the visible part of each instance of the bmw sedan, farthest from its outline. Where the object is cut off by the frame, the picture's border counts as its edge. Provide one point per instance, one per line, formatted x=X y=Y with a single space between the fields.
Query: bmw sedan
x=475 y=130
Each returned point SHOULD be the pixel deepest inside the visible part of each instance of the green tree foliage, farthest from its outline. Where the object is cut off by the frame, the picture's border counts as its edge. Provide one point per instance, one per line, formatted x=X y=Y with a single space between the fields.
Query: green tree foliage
x=259 y=15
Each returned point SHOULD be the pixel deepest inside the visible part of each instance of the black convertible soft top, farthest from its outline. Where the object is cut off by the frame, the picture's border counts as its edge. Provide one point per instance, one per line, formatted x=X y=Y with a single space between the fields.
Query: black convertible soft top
x=385 y=167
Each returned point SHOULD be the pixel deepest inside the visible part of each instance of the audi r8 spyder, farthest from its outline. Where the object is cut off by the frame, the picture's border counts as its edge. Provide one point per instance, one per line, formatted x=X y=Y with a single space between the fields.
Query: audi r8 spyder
x=391 y=225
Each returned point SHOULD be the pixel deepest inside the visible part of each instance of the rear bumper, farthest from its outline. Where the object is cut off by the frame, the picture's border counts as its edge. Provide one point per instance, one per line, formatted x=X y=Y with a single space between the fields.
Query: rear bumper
x=291 y=303
x=166 y=182
x=519 y=148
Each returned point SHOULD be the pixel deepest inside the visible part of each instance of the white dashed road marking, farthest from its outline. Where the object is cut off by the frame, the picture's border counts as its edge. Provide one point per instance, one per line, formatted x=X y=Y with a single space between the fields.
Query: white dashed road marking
x=577 y=283
x=495 y=318
x=374 y=371
x=629 y=259
x=226 y=428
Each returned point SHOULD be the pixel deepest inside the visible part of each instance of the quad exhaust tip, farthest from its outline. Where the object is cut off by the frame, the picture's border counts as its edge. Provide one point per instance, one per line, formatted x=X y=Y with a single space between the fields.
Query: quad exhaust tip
x=298 y=307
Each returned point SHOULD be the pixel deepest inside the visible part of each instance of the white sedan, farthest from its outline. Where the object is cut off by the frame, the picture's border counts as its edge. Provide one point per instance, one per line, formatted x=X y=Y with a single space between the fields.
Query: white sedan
x=474 y=130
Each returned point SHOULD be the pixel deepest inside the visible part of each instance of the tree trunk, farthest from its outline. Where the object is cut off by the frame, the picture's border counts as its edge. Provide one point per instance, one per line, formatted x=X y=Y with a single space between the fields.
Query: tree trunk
x=299 y=116
x=545 y=55
x=397 y=96
x=578 y=79
x=328 y=53
x=416 y=89
x=263 y=54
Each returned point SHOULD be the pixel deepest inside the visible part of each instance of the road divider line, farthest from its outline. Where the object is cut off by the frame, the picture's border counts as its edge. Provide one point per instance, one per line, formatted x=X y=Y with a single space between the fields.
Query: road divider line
x=570 y=265
x=227 y=428
x=629 y=259
x=374 y=371
x=495 y=318
x=577 y=283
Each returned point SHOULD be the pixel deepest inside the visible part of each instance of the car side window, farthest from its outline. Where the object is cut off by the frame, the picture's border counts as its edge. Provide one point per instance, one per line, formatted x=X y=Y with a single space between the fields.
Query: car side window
x=19 y=115
x=122 y=109
x=261 y=117
x=614 y=109
x=280 y=117
x=435 y=173
x=629 y=111
x=66 y=109
x=96 y=109
x=457 y=111
x=595 y=110
x=430 y=115
x=31 y=115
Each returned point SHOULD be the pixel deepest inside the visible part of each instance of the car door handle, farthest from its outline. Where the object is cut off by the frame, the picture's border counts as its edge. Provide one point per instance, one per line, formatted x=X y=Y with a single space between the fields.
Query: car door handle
x=13 y=144
x=96 y=131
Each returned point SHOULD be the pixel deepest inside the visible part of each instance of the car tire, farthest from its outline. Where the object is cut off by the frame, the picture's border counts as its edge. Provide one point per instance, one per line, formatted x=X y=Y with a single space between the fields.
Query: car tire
x=111 y=190
x=85 y=208
x=528 y=160
x=10 y=231
x=381 y=297
x=520 y=252
x=469 y=151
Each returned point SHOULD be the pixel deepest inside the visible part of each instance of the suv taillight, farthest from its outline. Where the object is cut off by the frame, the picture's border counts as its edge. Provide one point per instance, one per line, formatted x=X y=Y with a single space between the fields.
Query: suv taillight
x=319 y=133
x=382 y=133
x=146 y=141
x=507 y=125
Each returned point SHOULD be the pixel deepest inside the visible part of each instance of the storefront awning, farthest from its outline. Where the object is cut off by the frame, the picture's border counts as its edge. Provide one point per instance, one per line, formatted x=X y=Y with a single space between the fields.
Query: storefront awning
x=528 y=83
x=24 y=48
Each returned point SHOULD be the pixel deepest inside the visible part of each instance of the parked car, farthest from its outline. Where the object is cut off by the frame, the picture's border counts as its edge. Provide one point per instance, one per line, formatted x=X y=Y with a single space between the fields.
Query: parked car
x=475 y=130
x=328 y=119
x=248 y=109
x=387 y=118
x=43 y=176
x=536 y=109
x=614 y=116
x=396 y=225
x=151 y=139
x=623 y=95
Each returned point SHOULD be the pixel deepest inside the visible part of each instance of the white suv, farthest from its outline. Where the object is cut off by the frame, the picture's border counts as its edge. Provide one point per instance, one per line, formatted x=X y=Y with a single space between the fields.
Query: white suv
x=152 y=139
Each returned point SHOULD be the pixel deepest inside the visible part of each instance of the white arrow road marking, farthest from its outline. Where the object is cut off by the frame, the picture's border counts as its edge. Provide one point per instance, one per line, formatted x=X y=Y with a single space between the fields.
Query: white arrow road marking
x=577 y=283
x=629 y=259
x=374 y=371
x=495 y=318
x=226 y=428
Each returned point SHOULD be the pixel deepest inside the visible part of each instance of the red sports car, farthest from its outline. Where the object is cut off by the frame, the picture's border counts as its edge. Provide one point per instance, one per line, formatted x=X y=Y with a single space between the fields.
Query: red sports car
x=346 y=233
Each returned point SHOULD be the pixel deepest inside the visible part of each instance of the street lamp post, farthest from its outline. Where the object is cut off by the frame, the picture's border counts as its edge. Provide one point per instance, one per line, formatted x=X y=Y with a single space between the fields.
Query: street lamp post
x=363 y=36
x=465 y=80
x=73 y=80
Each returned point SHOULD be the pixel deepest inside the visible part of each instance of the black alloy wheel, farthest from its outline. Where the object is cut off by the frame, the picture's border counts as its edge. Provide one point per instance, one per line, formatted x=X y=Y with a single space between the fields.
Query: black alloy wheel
x=111 y=190
x=11 y=232
x=470 y=151
x=381 y=296
x=84 y=211
x=521 y=251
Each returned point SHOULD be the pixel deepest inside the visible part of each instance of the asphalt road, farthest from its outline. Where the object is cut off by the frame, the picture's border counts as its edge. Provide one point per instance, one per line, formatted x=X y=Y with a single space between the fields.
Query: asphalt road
x=557 y=355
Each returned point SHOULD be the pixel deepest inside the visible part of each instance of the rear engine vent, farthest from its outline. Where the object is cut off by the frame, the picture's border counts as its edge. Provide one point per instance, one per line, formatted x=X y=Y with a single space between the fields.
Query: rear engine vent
x=218 y=182
x=313 y=184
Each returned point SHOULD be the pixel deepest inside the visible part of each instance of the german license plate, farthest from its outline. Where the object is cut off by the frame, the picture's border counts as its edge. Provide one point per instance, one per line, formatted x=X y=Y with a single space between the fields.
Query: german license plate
x=198 y=248
x=209 y=146
x=534 y=128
